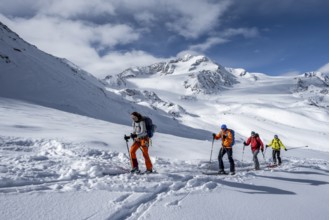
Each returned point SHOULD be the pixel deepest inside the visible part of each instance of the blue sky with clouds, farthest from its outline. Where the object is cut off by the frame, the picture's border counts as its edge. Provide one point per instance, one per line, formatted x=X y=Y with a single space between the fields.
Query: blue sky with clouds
x=108 y=36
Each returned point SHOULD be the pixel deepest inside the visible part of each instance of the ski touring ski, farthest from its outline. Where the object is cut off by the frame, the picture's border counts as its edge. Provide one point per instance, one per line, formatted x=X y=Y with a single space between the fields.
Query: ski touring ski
x=215 y=173
x=128 y=172
x=272 y=166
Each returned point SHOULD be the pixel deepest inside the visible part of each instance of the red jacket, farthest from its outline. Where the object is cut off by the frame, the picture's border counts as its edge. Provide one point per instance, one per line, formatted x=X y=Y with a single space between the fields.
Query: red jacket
x=255 y=143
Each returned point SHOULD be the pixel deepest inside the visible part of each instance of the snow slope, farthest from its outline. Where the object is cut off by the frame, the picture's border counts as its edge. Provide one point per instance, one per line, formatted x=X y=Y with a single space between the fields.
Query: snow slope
x=29 y=74
x=32 y=75
x=54 y=169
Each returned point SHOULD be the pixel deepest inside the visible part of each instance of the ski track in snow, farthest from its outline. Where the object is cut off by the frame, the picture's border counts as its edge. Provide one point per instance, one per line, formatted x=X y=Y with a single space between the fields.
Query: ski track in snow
x=50 y=165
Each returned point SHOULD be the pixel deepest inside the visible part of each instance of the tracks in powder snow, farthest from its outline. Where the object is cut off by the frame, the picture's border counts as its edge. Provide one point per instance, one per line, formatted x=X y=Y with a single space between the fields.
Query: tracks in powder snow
x=50 y=165
x=142 y=192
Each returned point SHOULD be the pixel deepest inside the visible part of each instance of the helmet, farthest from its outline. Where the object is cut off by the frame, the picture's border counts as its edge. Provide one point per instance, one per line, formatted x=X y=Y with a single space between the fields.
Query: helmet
x=223 y=127
x=276 y=136
x=253 y=133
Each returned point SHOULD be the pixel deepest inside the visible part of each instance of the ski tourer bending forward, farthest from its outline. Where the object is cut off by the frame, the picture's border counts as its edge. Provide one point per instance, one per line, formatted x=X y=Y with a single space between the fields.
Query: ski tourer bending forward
x=276 y=145
x=227 y=140
x=256 y=145
x=142 y=141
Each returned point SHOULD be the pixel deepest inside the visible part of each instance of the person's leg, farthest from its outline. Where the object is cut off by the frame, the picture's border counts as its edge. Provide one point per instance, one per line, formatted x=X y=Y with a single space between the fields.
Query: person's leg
x=220 y=159
x=274 y=156
x=144 y=148
x=255 y=159
x=279 y=158
x=230 y=159
x=133 y=157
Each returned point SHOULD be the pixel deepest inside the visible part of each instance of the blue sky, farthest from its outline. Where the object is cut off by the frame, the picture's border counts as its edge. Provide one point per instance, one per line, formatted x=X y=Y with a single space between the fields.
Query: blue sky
x=108 y=36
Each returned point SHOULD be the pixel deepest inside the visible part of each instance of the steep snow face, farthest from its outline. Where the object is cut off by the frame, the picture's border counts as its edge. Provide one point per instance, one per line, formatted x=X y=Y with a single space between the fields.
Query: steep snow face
x=193 y=74
x=32 y=75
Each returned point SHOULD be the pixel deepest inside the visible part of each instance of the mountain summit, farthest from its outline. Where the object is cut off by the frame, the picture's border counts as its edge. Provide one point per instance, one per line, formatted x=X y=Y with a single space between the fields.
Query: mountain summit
x=196 y=74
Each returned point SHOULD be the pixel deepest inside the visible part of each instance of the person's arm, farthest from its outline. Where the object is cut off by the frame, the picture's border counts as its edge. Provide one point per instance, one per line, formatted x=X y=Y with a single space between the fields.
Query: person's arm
x=270 y=144
x=281 y=144
x=261 y=143
x=247 y=142
x=218 y=136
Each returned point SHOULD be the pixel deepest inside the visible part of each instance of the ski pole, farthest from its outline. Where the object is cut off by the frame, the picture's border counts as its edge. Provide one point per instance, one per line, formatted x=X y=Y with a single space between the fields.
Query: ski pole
x=296 y=148
x=212 y=147
x=242 y=155
x=264 y=156
x=127 y=138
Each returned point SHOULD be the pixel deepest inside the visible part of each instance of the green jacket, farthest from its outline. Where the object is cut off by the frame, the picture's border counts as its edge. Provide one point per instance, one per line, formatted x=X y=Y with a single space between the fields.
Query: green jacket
x=276 y=144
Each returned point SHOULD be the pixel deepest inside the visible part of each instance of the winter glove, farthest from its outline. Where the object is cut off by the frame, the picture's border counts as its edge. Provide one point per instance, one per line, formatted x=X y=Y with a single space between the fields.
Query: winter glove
x=262 y=149
x=126 y=137
x=244 y=143
x=267 y=146
x=285 y=149
x=213 y=135
x=133 y=136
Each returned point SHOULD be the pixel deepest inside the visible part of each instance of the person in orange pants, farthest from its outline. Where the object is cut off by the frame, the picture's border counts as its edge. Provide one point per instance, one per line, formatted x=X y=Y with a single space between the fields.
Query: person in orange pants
x=141 y=140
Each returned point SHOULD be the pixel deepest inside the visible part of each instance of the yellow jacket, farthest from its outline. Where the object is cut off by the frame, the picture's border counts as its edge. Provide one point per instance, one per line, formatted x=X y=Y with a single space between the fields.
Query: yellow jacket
x=276 y=144
x=226 y=137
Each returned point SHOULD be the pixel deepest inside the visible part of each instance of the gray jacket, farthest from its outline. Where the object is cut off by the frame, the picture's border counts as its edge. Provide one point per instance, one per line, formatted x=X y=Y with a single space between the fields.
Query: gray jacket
x=139 y=129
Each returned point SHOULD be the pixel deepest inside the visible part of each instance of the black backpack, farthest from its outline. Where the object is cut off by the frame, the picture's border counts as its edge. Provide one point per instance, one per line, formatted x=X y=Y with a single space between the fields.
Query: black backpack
x=150 y=127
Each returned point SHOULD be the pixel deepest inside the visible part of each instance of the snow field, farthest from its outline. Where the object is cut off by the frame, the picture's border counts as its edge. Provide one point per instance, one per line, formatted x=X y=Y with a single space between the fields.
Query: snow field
x=51 y=166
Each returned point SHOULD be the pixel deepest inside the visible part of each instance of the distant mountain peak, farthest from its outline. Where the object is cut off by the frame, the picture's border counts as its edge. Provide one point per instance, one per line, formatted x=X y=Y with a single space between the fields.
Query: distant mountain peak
x=198 y=74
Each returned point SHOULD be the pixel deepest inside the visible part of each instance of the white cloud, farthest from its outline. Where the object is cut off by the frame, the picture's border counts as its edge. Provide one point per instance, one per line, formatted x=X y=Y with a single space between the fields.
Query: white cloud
x=116 y=62
x=224 y=37
x=145 y=17
x=72 y=40
x=73 y=8
x=80 y=30
x=188 y=18
x=186 y=52
x=324 y=68
x=193 y=19
x=246 y=32
x=212 y=41
x=57 y=8
x=111 y=35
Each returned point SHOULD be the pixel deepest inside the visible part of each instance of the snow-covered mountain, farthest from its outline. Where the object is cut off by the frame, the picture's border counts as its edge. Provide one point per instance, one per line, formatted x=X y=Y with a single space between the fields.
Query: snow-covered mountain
x=31 y=75
x=314 y=87
x=203 y=90
x=51 y=159
x=195 y=74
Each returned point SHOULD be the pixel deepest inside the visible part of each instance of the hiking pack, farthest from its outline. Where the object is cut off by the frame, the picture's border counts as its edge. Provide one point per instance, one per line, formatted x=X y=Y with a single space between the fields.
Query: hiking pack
x=257 y=139
x=150 y=127
x=233 y=137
